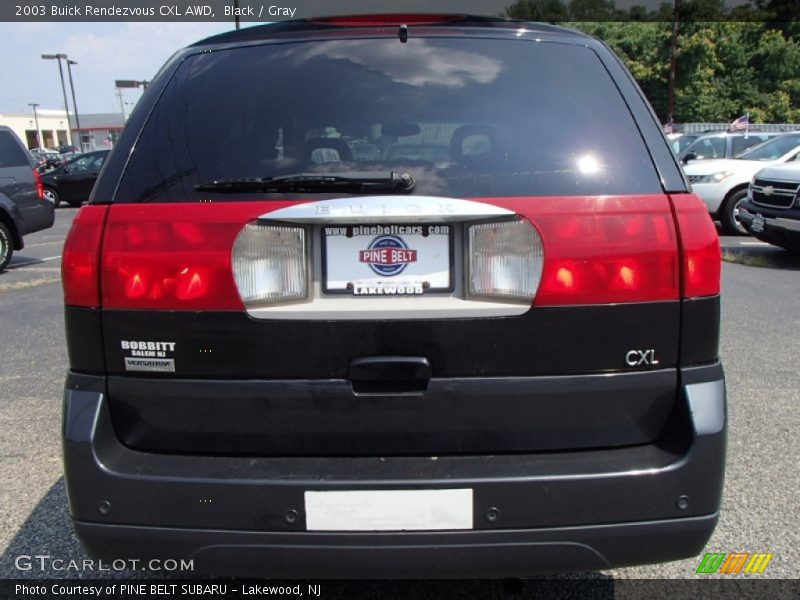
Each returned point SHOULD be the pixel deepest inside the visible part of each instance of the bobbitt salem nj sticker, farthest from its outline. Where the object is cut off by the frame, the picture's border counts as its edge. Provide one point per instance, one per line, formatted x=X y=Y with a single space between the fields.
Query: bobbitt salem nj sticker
x=149 y=356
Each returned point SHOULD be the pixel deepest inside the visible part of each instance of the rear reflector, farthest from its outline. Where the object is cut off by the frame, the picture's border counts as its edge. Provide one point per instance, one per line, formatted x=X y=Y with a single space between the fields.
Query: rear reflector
x=701 y=249
x=269 y=264
x=505 y=260
x=80 y=259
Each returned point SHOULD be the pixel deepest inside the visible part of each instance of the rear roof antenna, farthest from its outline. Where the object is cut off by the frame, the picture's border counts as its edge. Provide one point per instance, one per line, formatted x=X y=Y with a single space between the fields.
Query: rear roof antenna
x=402 y=33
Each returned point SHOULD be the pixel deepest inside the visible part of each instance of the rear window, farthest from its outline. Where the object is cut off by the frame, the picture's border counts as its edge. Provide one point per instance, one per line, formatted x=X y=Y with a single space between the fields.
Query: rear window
x=11 y=153
x=465 y=117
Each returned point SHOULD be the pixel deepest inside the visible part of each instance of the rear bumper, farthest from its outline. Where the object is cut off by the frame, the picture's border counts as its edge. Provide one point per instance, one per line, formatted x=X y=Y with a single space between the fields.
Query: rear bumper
x=558 y=511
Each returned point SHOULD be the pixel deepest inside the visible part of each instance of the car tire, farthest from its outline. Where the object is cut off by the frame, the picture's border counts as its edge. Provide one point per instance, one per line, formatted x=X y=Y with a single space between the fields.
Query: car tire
x=6 y=247
x=52 y=195
x=729 y=214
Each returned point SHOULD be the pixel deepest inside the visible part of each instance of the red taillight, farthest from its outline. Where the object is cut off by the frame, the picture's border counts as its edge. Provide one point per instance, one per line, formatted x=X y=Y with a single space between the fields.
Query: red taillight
x=389 y=19
x=39 y=185
x=700 y=243
x=81 y=258
x=605 y=250
x=168 y=257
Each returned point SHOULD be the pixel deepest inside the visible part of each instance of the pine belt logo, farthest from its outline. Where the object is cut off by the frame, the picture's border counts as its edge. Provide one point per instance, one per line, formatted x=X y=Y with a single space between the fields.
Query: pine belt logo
x=149 y=356
x=731 y=563
x=387 y=255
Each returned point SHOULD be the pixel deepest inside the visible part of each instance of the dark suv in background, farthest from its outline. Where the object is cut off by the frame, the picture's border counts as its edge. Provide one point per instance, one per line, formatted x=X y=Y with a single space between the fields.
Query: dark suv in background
x=416 y=296
x=23 y=208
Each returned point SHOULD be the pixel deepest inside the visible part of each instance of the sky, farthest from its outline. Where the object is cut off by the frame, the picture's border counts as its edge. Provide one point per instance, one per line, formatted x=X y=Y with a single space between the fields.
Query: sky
x=104 y=52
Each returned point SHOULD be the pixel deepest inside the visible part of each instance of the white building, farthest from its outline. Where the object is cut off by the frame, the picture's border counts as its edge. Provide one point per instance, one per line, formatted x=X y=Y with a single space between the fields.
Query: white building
x=98 y=131
x=53 y=127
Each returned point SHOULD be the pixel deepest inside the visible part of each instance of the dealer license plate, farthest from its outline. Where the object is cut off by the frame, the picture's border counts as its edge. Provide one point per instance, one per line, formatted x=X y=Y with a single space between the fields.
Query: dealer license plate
x=757 y=224
x=387 y=260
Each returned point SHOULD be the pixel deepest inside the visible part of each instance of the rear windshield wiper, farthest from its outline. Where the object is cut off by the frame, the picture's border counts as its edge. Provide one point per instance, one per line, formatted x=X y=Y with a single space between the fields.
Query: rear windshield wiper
x=351 y=182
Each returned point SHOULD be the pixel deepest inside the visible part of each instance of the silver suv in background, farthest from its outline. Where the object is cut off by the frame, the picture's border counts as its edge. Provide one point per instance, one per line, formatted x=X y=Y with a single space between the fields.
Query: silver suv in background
x=23 y=208
x=722 y=144
x=722 y=183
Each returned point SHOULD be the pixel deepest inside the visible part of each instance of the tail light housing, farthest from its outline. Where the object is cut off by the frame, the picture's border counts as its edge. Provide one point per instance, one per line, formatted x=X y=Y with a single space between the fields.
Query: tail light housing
x=607 y=250
x=165 y=257
x=80 y=260
x=701 y=254
x=505 y=260
x=270 y=264
x=39 y=185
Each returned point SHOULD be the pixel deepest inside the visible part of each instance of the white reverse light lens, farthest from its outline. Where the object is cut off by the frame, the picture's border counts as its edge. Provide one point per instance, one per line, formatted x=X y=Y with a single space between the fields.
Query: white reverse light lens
x=505 y=260
x=269 y=264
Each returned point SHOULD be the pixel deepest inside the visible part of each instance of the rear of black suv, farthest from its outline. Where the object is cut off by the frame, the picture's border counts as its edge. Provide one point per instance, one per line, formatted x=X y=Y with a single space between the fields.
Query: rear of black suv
x=394 y=297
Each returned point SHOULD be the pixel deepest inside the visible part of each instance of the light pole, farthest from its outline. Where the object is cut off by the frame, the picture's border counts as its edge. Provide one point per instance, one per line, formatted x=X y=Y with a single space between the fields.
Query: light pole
x=128 y=83
x=74 y=103
x=58 y=57
x=131 y=83
x=36 y=118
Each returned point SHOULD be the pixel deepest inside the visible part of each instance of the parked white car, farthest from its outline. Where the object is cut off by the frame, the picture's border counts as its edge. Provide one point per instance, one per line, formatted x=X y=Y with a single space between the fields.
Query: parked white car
x=722 y=184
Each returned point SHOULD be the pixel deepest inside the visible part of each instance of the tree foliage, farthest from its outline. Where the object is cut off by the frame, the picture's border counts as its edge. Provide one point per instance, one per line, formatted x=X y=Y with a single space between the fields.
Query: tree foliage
x=729 y=61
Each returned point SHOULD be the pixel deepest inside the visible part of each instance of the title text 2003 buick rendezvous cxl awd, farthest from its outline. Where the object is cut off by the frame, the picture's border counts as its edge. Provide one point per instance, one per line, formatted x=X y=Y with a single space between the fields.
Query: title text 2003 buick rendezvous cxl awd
x=394 y=296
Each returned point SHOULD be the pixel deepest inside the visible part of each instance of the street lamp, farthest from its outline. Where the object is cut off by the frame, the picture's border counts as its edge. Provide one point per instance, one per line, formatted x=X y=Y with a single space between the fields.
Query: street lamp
x=58 y=57
x=131 y=83
x=36 y=118
x=128 y=83
x=74 y=104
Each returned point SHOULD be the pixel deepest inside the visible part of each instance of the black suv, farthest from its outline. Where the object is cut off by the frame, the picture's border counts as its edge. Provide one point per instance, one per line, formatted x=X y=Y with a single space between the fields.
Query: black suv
x=23 y=208
x=394 y=297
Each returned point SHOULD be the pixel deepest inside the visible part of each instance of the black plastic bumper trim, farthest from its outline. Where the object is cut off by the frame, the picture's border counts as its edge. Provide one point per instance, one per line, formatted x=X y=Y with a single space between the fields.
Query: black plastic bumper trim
x=405 y=555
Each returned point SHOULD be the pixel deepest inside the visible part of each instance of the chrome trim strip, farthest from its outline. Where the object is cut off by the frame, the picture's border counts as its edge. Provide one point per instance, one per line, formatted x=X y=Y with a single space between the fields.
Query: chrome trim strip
x=379 y=209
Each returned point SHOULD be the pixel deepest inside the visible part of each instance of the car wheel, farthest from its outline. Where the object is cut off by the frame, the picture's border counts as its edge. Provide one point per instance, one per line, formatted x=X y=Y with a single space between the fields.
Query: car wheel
x=52 y=195
x=730 y=214
x=6 y=247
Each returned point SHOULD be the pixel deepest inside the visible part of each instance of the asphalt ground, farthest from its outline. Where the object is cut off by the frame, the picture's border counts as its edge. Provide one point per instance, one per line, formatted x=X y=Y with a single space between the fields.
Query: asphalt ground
x=760 y=331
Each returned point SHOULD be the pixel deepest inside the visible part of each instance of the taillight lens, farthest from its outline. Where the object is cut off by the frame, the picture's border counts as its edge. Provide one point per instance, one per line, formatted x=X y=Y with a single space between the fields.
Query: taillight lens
x=270 y=264
x=702 y=264
x=80 y=260
x=607 y=250
x=165 y=257
x=505 y=260
x=39 y=185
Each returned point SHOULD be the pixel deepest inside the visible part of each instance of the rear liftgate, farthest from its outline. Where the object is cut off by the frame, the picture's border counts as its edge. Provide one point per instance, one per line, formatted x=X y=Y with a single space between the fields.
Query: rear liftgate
x=388 y=326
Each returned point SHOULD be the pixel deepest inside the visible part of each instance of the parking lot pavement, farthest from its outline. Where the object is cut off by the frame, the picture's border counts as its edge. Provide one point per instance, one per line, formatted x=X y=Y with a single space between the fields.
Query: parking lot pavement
x=760 y=326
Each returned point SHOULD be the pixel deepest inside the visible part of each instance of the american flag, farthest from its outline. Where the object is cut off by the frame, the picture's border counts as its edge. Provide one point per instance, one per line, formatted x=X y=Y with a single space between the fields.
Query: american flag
x=741 y=123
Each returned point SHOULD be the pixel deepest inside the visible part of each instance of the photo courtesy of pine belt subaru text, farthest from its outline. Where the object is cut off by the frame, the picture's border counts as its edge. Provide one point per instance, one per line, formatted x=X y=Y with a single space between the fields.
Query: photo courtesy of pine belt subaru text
x=394 y=296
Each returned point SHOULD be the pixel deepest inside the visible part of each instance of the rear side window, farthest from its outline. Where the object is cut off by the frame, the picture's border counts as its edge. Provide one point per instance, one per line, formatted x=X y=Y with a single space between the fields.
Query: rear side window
x=11 y=153
x=709 y=147
x=740 y=144
x=465 y=117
